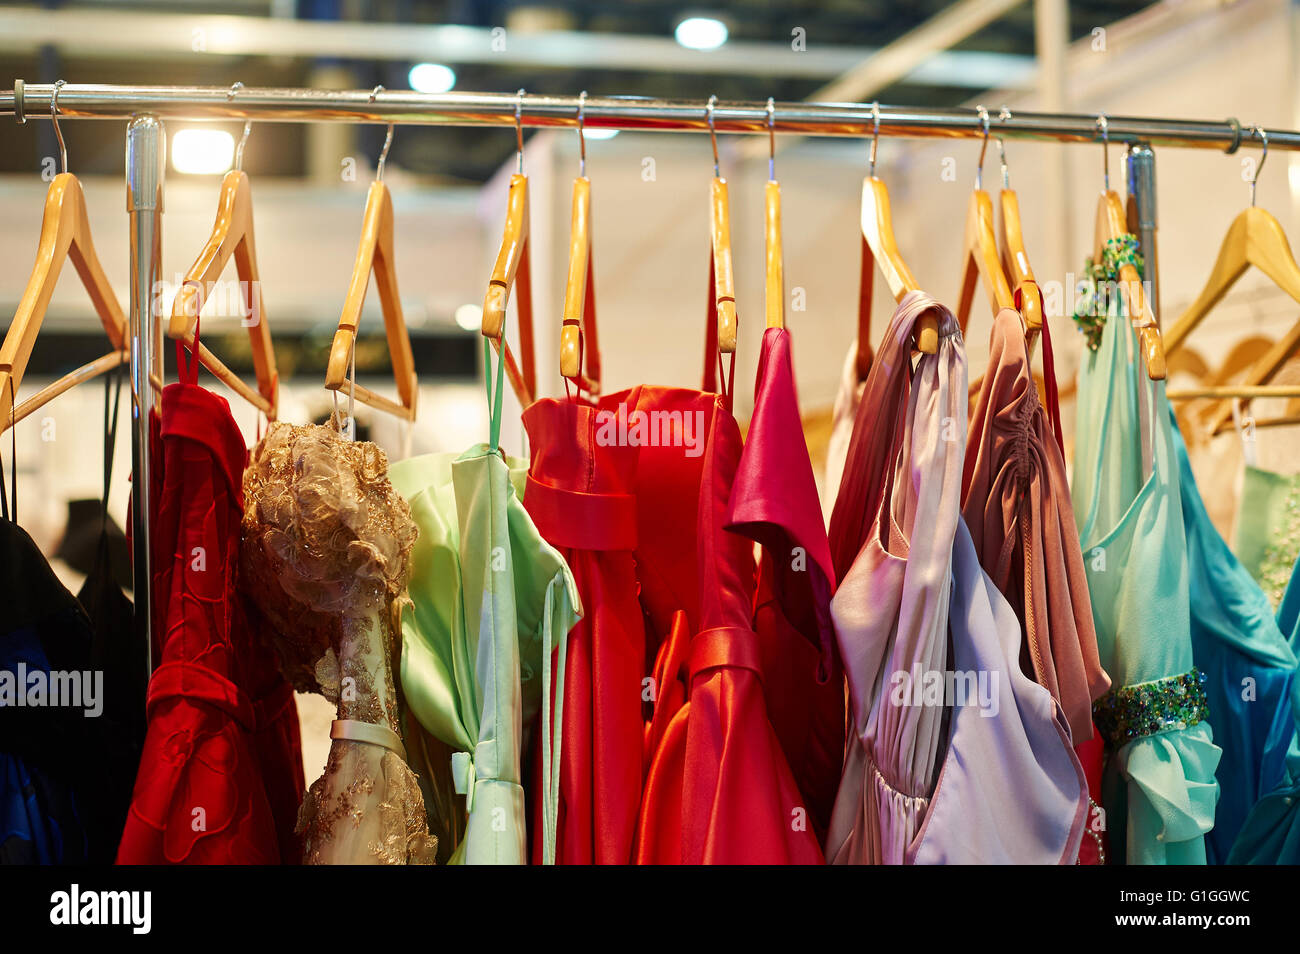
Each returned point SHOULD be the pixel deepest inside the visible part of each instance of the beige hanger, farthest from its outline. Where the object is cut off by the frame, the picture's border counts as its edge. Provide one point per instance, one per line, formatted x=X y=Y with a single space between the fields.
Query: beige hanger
x=724 y=284
x=1254 y=238
x=232 y=237
x=1112 y=223
x=65 y=233
x=980 y=259
x=579 y=316
x=513 y=271
x=881 y=249
x=1015 y=258
x=375 y=254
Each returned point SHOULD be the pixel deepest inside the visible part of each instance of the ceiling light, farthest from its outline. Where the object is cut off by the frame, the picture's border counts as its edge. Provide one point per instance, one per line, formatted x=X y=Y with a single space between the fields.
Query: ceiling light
x=701 y=33
x=432 y=78
x=202 y=152
x=469 y=317
x=599 y=133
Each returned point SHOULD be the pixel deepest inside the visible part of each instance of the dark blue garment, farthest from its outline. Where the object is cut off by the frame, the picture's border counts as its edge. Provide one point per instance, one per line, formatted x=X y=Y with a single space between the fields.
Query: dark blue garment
x=1271 y=833
x=1249 y=666
x=34 y=808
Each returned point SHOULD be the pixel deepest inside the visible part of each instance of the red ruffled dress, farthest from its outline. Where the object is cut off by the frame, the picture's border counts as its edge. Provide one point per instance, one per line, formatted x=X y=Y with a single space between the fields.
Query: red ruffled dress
x=220 y=777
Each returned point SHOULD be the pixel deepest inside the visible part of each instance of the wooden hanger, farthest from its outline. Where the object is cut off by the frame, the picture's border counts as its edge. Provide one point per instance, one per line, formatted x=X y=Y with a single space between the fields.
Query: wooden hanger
x=579 y=315
x=1257 y=384
x=1015 y=259
x=232 y=236
x=881 y=251
x=1112 y=223
x=1254 y=238
x=513 y=271
x=980 y=259
x=65 y=233
x=724 y=284
x=375 y=254
x=774 y=272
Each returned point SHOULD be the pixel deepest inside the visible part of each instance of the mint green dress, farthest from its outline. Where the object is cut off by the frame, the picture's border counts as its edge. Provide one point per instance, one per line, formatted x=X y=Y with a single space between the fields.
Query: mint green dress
x=1159 y=791
x=1267 y=536
x=492 y=599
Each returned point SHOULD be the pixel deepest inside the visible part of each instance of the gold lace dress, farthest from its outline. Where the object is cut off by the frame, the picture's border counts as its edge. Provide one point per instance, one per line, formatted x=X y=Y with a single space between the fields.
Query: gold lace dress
x=325 y=547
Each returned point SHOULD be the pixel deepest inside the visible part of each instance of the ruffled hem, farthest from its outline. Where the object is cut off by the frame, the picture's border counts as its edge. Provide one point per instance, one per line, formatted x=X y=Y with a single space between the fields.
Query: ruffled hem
x=1172 y=792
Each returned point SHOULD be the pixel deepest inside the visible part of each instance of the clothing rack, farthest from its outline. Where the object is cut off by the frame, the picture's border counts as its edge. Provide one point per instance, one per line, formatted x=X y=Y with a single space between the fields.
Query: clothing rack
x=145 y=108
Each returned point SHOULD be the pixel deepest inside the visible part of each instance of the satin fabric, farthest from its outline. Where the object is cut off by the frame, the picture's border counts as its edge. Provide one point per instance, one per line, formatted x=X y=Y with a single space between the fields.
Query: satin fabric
x=908 y=579
x=774 y=503
x=844 y=412
x=1270 y=835
x=1016 y=502
x=1250 y=668
x=490 y=598
x=1159 y=792
x=221 y=776
x=718 y=789
x=579 y=495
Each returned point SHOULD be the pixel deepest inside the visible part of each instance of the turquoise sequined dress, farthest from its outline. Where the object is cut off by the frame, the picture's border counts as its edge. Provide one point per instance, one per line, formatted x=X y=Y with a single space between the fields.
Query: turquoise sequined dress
x=1159 y=791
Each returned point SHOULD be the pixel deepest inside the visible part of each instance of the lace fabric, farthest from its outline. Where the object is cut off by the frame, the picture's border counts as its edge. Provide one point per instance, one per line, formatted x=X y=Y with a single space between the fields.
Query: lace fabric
x=325 y=558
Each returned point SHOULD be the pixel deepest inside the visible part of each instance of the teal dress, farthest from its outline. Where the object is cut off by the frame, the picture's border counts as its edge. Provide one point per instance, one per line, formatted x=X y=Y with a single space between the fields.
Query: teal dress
x=492 y=599
x=1159 y=789
x=1249 y=667
x=1270 y=834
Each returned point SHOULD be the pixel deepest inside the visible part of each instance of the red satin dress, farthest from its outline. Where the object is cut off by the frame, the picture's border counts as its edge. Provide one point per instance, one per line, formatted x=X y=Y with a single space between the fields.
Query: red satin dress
x=667 y=595
x=774 y=502
x=220 y=777
x=580 y=496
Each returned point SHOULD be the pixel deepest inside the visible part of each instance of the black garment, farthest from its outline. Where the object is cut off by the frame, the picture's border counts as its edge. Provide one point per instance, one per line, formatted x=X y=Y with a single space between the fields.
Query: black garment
x=42 y=748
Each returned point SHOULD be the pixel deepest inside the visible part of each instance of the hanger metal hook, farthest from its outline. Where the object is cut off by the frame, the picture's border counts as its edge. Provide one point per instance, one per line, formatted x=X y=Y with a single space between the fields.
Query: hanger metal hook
x=771 y=139
x=1263 y=138
x=388 y=140
x=54 y=118
x=519 y=131
x=1103 y=126
x=1003 y=116
x=875 y=135
x=713 y=134
x=248 y=127
x=979 y=169
x=582 y=137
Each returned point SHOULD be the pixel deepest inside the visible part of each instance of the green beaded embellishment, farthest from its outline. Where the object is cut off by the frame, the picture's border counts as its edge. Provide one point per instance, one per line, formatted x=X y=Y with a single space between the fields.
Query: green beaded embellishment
x=1096 y=295
x=1131 y=712
x=1276 y=567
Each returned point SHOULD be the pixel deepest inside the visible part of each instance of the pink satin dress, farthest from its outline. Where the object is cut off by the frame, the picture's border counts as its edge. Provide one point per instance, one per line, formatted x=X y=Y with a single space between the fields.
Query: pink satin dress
x=926 y=779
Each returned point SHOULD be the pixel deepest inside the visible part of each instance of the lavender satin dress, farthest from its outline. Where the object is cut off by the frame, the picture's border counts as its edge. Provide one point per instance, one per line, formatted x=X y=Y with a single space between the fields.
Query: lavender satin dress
x=929 y=779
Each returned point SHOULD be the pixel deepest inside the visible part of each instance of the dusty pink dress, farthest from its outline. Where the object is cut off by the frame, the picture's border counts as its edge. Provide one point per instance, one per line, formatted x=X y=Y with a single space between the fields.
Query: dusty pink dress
x=1016 y=503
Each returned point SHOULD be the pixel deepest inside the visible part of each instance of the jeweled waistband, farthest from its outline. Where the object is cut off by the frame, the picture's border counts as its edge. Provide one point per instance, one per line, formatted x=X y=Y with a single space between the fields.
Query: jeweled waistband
x=1131 y=712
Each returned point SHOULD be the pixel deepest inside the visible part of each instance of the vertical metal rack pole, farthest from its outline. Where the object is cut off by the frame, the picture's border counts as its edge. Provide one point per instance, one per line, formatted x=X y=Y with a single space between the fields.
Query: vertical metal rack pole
x=1141 y=163
x=146 y=148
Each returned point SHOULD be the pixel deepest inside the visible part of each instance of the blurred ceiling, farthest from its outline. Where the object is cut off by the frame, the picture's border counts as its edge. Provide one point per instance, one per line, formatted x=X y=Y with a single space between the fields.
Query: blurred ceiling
x=609 y=47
